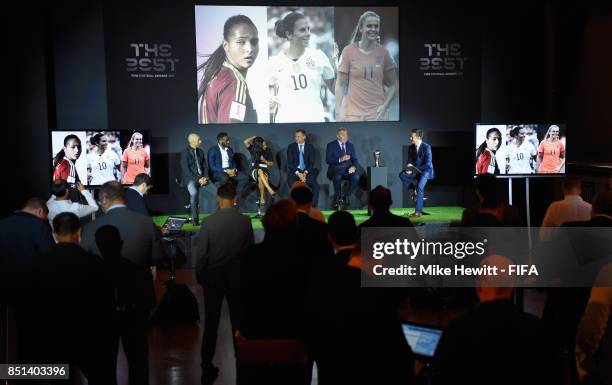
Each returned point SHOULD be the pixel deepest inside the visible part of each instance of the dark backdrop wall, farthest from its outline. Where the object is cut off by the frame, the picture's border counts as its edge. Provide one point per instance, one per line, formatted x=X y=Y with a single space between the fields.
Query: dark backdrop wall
x=517 y=58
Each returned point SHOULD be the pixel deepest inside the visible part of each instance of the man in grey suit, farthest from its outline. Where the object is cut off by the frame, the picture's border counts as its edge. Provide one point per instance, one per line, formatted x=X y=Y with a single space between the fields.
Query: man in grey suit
x=224 y=237
x=142 y=246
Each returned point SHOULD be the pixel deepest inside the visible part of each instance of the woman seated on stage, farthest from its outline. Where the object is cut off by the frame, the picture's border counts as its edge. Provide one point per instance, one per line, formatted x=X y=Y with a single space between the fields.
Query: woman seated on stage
x=261 y=156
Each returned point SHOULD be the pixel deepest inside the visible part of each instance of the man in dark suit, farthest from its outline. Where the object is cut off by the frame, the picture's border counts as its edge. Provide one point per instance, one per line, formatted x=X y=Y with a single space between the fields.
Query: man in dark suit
x=222 y=241
x=141 y=245
x=496 y=342
x=300 y=164
x=25 y=236
x=193 y=173
x=380 y=202
x=342 y=164
x=419 y=156
x=222 y=164
x=75 y=305
x=135 y=194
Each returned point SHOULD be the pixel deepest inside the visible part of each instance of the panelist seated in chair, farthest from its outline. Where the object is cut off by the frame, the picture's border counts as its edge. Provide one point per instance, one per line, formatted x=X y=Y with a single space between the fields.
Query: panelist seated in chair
x=222 y=165
x=193 y=173
x=342 y=164
x=301 y=164
x=419 y=169
x=261 y=160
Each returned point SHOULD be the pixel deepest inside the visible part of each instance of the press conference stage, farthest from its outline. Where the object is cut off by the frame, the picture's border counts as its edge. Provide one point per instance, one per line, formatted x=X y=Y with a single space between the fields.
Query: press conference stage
x=437 y=215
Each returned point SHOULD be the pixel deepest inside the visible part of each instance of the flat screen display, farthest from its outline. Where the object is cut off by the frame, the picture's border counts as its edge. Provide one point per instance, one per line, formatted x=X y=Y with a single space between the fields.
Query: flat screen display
x=94 y=157
x=520 y=149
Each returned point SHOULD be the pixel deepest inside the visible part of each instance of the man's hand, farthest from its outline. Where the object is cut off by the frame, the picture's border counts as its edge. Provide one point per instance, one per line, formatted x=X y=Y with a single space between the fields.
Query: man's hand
x=345 y=157
x=351 y=170
x=302 y=176
x=164 y=231
x=230 y=171
x=203 y=181
x=80 y=186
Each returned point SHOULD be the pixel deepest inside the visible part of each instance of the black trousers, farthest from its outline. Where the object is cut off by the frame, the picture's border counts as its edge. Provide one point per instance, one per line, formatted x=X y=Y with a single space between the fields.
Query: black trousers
x=241 y=180
x=213 y=301
x=132 y=328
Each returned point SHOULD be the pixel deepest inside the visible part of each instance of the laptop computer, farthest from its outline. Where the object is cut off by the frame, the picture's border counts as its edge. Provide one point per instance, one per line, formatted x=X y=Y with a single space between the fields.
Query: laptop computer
x=423 y=340
x=174 y=224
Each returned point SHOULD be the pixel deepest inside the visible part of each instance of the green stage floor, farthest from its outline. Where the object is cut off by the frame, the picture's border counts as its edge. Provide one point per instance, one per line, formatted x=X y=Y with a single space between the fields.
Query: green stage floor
x=437 y=214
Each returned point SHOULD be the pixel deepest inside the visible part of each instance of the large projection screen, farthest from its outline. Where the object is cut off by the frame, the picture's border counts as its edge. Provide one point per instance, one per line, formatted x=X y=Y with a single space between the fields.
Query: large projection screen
x=258 y=64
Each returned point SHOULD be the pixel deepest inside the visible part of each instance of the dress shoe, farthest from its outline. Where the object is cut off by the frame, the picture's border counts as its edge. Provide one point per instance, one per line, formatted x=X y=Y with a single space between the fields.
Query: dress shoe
x=415 y=215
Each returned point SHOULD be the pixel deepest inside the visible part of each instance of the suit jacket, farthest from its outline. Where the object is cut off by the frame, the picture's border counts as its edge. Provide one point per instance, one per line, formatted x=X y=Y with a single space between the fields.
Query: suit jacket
x=386 y=219
x=136 y=202
x=422 y=160
x=333 y=154
x=215 y=161
x=293 y=158
x=189 y=165
x=223 y=239
x=23 y=238
x=495 y=343
x=141 y=239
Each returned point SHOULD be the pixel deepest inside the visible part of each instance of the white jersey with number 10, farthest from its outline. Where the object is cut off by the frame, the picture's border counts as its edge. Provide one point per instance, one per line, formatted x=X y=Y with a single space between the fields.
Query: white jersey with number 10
x=299 y=84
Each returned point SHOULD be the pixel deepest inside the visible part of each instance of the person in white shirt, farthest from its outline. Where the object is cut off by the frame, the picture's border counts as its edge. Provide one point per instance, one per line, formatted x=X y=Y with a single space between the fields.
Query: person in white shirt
x=59 y=201
x=102 y=162
x=572 y=208
x=298 y=73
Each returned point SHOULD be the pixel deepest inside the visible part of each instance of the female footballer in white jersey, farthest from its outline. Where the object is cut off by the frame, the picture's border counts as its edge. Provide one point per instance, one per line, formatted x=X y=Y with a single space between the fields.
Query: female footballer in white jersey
x=102 y=162
x=297 y=74
x=519 y=153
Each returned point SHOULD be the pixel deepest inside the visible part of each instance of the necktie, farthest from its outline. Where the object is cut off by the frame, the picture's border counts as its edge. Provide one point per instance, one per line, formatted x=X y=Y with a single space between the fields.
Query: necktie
x=302 y=165
x=343 y=149
x=195 y=154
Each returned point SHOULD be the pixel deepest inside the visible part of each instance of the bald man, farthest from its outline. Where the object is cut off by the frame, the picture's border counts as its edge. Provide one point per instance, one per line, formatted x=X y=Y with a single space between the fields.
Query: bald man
x=194 y=171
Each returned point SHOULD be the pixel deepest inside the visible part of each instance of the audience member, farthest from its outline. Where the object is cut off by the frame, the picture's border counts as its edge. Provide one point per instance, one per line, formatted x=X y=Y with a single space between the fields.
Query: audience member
x=343 y=234
x=274 y=278
x=496 y=342
x=134 y=299
x=25 y=236
x=60 y=202
x=571 y=208
x=306 y=201
x=222 y=241
x=490 y=203
x=74 y=306
x=380 y=204
x=141 y=245
x=594 y=338
x=135 y=194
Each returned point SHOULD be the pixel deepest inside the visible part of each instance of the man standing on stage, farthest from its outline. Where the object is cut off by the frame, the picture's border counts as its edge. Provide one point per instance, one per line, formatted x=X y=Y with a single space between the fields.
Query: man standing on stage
x=342 y=164
x=300 y=164
x=194 y=171
x=418 y=170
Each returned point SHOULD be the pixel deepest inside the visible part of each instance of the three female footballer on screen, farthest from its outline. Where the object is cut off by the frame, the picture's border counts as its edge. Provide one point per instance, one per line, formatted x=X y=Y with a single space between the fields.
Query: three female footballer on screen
x=364 y=82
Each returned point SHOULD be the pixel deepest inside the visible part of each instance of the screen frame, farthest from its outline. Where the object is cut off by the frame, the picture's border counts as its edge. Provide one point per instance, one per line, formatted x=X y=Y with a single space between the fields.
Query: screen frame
x=398 y=6
x=146 y=133
x=517 y=176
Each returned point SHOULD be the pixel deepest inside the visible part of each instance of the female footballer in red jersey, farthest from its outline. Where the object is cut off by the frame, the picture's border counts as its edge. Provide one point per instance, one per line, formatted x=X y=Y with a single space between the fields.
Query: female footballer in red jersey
x=64 y=162
x=369 y=71
x=485 y=155
x=223 y=93
x=135 y=159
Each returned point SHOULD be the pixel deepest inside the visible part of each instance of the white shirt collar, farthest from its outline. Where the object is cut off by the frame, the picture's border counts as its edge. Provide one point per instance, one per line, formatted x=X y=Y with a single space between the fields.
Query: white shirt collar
x=136 y=189
x=115 y=207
